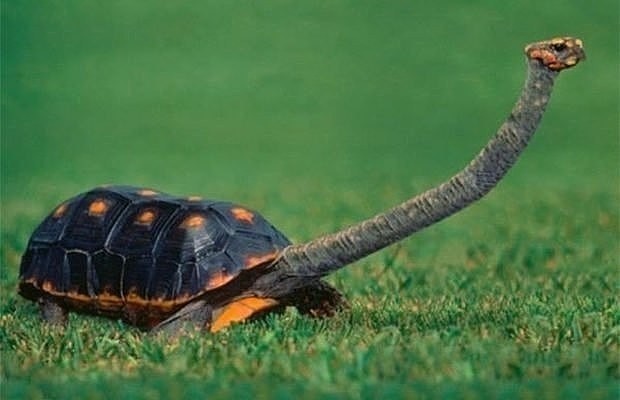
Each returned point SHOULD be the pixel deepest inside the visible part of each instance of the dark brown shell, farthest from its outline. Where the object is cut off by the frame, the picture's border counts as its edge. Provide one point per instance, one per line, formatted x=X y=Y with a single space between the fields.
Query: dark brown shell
x=140 y=254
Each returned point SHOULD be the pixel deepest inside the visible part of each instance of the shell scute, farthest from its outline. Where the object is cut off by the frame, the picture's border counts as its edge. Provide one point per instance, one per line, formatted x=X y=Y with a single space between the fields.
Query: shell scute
x=136 y=276
x=165 y=280
x=190 y=279
x=53 y=226
x=248 y=249
x=39 y=265
x=78 y=267
x=215 y=270
x=135 y=239
x=108 y=268
x=88 y=230
x=186 y=238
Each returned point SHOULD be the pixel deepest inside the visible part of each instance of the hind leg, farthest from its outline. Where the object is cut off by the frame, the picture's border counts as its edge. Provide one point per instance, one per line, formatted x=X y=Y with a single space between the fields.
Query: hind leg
x=319 y=299
x=52 y=312
x=197 y=314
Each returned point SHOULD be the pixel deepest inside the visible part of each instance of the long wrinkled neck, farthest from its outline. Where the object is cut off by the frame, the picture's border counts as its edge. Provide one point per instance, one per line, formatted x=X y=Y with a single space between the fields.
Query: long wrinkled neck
x=330 y=252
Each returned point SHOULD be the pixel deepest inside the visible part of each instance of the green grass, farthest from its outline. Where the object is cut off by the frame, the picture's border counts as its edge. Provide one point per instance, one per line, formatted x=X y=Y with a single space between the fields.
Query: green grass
x=319 y=114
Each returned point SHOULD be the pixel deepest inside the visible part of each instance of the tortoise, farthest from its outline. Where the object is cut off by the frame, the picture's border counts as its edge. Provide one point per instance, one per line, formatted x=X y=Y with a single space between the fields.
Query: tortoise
x=160 y=262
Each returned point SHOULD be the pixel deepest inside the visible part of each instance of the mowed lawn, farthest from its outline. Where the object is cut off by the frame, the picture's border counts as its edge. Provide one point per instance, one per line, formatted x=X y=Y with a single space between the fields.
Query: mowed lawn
x=319 y=114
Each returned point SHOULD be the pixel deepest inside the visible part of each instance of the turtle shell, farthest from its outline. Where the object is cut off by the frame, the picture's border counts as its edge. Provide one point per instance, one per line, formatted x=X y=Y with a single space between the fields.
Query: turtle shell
x=139 y=254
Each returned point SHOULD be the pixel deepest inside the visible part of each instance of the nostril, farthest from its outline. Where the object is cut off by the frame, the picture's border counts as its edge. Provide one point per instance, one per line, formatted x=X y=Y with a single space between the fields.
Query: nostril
x=558 y=46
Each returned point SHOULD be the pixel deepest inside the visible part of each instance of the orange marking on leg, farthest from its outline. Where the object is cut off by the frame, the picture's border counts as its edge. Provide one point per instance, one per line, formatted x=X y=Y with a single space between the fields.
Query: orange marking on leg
x=241 y=214
x=97 y=208
x=241 y=310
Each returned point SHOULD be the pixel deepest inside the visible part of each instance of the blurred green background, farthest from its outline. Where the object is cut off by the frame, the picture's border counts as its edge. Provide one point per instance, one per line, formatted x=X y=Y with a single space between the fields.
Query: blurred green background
x=317 y=114
x=240 y=99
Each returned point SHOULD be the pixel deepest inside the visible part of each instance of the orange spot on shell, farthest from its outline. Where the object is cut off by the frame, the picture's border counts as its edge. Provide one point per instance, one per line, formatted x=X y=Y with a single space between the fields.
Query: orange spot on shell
x=218 y=279
x=193 y=221
x=60 y=210
x=147 y=192
x=241 y=214
x=132 y=294
x=182 y=299
x=109 y=301
x=98 y=208
x=241 y=310
x=146 y=217
x=48 y=287
x=78 y=297
x=161 y=305
x=256 y=260
x=194 y=198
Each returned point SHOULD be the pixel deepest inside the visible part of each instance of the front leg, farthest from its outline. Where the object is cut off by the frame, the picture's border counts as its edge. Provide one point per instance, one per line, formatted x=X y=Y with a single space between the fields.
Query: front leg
x=319 y=299
x=197 y=314
x=52 y=312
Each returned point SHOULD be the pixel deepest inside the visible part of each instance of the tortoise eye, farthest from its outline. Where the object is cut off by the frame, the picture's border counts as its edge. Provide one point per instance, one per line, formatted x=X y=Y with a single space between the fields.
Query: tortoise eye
x=559 y=46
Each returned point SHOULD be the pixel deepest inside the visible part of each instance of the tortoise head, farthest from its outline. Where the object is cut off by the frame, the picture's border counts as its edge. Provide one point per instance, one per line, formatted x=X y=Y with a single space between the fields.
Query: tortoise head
x=558 y=53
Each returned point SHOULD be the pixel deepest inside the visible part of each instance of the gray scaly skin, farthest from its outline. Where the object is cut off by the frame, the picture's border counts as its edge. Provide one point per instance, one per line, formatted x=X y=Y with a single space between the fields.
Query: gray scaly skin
x=300 y=265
